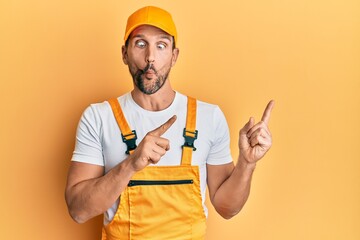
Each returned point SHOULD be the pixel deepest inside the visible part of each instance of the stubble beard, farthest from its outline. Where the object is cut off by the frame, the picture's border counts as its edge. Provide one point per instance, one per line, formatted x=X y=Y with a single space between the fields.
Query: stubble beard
x=147 y=87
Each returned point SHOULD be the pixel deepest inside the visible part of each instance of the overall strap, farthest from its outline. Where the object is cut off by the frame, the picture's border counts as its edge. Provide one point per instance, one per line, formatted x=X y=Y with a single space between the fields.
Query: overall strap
x=190 y=133
x=128 y=136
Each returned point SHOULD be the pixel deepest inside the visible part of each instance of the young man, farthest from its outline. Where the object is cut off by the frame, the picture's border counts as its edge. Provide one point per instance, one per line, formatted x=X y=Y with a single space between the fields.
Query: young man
x=144 y=159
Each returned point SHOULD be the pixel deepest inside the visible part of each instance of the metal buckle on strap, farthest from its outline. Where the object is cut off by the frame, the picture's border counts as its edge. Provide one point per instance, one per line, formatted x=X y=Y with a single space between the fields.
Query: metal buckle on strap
x=189 y=140
x=130 y=142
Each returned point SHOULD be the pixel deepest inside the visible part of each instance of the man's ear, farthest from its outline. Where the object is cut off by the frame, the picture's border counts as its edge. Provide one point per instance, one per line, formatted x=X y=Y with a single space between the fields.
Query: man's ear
x=175 y=54
x=124 y=54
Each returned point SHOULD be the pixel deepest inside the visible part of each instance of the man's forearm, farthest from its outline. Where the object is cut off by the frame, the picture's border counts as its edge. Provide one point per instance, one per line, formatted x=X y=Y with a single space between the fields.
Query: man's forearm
x=234 y=192
x=93 y=197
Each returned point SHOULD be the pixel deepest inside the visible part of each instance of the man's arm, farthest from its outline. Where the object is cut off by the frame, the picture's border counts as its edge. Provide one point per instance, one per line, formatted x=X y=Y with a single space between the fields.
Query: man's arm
x=90 y=193
x=229 y=186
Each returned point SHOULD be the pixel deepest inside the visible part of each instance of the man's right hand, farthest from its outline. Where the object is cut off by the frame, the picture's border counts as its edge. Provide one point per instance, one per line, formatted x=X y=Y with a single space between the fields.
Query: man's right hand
x=152 y=147
x=89 y=192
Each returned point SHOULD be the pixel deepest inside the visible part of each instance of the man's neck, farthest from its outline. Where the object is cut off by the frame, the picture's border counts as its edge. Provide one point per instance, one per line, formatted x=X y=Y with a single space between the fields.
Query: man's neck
x=158 y=101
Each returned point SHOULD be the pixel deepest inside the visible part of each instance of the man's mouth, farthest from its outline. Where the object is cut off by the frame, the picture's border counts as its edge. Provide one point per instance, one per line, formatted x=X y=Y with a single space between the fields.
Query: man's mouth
x=149 y=71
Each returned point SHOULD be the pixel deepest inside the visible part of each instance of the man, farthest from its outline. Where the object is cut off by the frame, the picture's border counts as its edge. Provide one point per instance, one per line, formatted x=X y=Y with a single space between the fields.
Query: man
x=144 y=159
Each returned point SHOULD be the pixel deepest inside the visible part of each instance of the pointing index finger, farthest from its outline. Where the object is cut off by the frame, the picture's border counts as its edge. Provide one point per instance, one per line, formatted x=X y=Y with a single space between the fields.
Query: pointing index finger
x=266 y=115
x=164 y=127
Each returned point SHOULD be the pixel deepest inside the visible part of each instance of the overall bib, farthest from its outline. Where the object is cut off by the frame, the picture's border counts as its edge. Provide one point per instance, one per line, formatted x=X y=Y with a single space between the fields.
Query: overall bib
x=160 y=202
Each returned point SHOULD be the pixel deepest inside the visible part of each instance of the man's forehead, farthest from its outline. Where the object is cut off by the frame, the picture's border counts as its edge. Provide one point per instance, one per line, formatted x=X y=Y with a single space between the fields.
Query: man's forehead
x=145 y=30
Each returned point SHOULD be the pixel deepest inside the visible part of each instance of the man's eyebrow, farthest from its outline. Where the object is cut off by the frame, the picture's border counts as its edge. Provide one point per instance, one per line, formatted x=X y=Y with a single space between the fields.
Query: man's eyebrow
x=166 y=37
x=138 y=36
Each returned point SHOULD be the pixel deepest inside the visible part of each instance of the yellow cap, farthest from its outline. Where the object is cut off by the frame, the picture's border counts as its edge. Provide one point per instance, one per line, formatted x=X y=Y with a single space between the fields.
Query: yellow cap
x=153 y=16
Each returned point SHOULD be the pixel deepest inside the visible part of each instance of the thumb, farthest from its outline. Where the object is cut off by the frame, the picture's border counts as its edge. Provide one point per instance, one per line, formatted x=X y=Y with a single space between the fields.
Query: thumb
x=163 y=128
x=247 y=126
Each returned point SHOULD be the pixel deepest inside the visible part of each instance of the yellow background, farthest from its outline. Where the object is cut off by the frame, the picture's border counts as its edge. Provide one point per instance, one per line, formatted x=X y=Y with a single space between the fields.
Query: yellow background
x=57 y=57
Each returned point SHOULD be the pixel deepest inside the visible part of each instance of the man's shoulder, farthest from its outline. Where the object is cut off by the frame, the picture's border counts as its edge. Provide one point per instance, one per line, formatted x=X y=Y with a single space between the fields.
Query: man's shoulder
x=201 y=104
x=205 y=107
x=104 y=106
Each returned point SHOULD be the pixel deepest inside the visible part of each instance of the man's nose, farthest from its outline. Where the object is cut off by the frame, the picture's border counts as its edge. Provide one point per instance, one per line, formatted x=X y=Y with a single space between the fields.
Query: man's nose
x=150 y=55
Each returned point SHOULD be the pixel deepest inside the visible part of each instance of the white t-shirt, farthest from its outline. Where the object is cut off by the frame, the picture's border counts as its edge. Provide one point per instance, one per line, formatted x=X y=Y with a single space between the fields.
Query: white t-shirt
x=98 y=138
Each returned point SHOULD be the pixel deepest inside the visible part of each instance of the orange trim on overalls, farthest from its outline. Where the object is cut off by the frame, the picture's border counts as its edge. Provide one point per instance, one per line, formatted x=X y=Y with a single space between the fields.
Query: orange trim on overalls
x=189 y=130
x=161 y=202
x=129 y=137
x=120 y=118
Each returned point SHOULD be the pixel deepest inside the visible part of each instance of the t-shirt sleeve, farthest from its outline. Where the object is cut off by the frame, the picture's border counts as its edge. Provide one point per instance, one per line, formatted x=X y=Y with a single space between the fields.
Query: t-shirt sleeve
x=88 y=147
x=220 y=149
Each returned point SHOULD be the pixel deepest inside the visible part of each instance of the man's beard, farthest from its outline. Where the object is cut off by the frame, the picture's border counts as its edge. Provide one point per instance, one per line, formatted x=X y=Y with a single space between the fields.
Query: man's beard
x=139 y=80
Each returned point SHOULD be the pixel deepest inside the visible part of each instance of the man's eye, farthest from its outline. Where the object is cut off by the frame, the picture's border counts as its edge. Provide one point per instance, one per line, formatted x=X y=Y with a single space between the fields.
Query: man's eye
x=161 y=46
x=140 y=44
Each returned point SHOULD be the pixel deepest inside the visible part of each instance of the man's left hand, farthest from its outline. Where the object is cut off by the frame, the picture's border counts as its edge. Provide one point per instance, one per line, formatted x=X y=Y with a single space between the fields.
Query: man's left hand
x=255 y=139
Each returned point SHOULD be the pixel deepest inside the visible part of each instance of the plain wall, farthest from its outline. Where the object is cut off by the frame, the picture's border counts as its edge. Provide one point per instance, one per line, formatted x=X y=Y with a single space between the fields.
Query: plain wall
x=57 y=57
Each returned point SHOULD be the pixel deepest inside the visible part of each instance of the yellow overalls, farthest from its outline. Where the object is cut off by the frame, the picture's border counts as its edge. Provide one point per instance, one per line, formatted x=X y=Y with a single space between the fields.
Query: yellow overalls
x=160 y=202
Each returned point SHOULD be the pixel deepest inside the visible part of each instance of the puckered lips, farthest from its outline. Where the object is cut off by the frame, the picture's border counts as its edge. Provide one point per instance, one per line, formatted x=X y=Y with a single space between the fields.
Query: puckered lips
x=150 y=74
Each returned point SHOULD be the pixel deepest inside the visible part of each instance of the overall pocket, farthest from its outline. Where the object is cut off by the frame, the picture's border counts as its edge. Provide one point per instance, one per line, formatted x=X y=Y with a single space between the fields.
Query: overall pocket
x=161 y=209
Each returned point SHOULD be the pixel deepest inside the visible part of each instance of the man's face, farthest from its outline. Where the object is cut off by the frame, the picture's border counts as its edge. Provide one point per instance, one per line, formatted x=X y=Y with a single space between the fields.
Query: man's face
x=150 y=56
